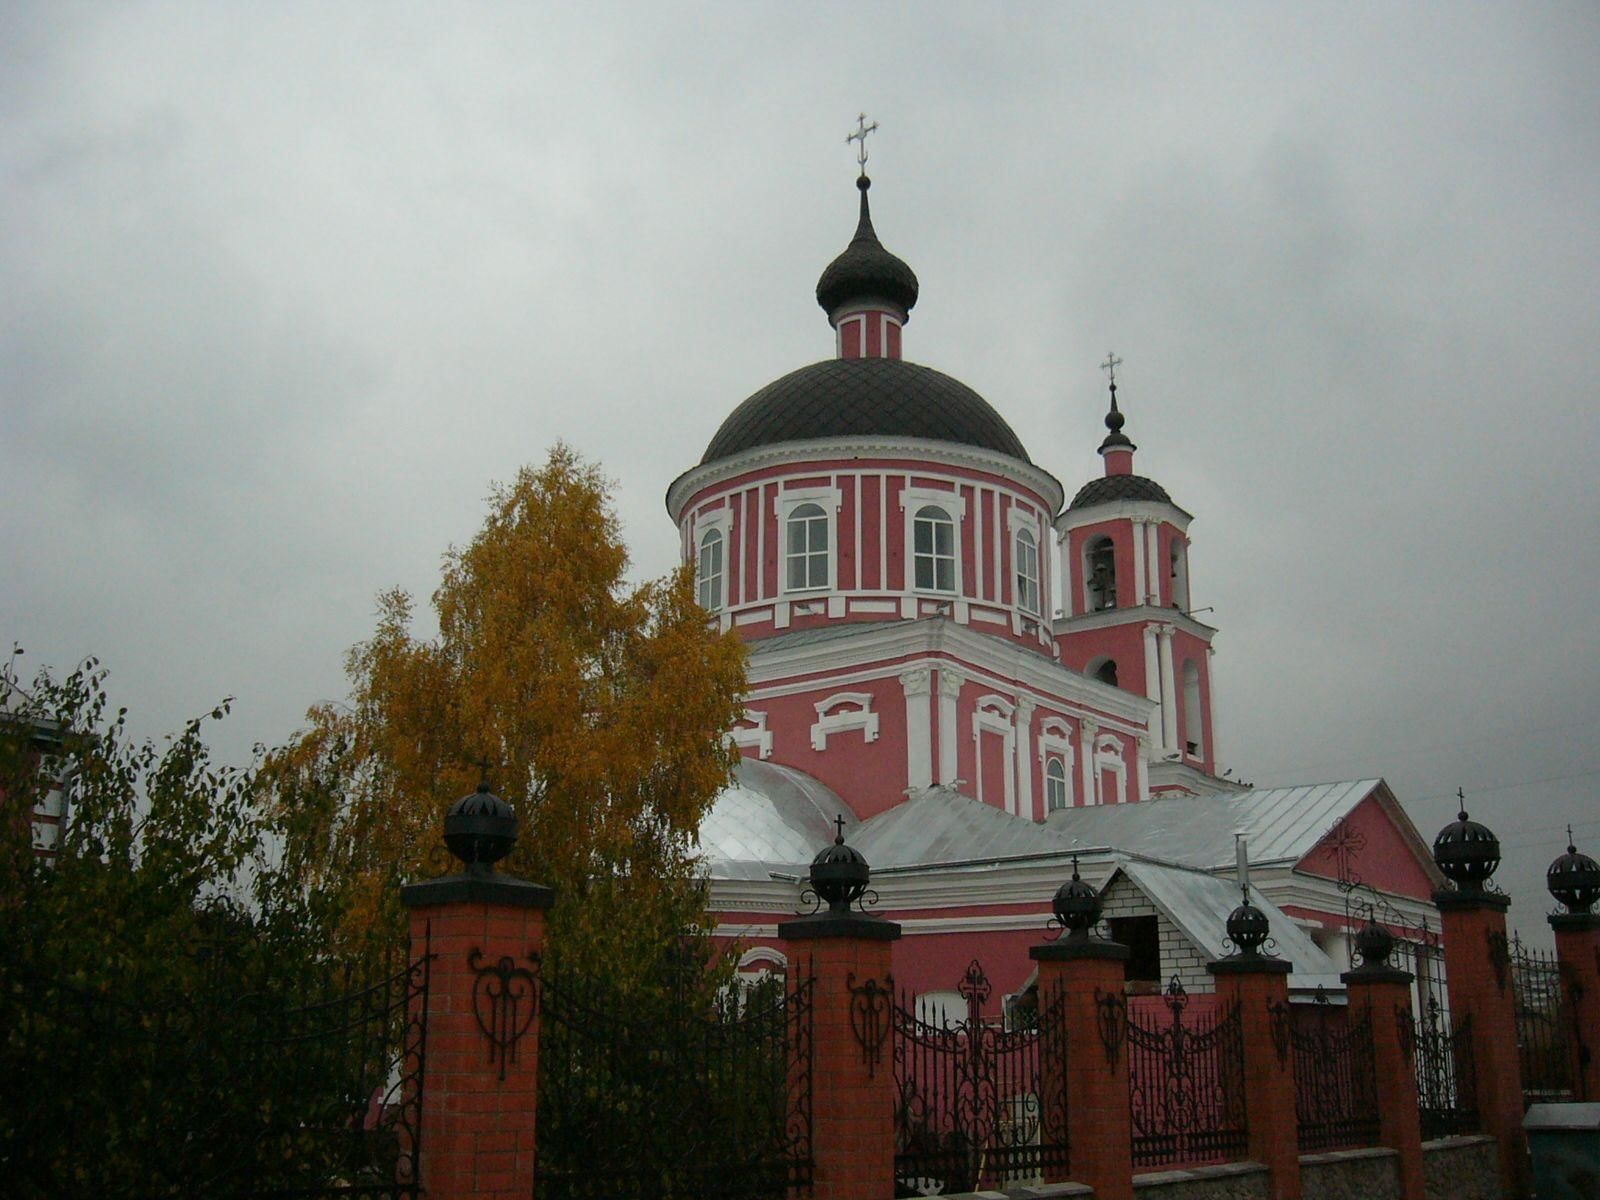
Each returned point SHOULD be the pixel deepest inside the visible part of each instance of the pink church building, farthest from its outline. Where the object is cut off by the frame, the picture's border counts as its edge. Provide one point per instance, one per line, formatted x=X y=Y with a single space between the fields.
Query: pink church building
x=978 y=681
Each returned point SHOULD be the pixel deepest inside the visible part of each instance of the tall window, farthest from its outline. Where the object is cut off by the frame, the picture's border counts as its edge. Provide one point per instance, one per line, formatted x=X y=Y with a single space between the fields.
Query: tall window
x=710 y=572
x=1027 y=556
x=1193 y=735
x=807 y=549
x=1100 y=571
x=1055 y=784
x=1180 y=576
x=934 y=550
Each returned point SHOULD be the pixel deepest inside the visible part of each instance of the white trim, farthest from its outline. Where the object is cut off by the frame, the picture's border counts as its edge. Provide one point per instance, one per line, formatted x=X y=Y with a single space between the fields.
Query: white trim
x=994 y=714
x=917 y=684
x=1109 y=756
x=1022 y=758
x=758 y=737
x=830 y=501
x=829 y=722
x=1090 y=778
x=950 y=684
x=1123 y=510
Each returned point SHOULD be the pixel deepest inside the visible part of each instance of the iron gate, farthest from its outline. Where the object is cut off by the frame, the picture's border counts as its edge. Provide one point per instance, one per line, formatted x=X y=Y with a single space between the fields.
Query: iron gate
x=972 y=1109
x=1335 y=1081
x=1186 y=1084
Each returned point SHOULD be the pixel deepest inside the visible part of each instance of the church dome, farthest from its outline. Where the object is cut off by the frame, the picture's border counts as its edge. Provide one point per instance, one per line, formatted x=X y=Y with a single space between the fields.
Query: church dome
x=1119 y=487
x=865 y=397
x=769 y=815
x=865 y=269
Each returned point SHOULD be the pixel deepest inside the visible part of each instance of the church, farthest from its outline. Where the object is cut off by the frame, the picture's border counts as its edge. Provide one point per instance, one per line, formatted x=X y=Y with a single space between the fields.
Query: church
x=982 y=685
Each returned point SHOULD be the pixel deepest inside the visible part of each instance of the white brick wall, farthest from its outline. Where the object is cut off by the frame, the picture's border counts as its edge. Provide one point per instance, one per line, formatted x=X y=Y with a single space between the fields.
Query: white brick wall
x=1179 y=956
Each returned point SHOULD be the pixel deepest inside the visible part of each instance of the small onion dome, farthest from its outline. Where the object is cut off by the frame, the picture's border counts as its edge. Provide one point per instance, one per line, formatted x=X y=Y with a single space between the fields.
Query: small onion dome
x=1116 y=439
x=866 y=271
x=1466 y=852
x=1574 y=879
x=1077 y=905
x=480 y=829
x=839 y=874
x=1109 y=488
x=1248 y=928
x=1374 y=944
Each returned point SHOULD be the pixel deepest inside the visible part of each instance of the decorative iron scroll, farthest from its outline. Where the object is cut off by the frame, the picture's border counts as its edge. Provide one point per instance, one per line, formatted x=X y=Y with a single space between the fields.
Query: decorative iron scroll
x=505 y=999
x=978 y=1105
x=1186 y=1084
x=657 y=1096
x=1111 y=1022
x=1406 y=1030
x=1335 y=1078
x=869 y=1017
x=1543 y=1028
x=1280 y=1014
x=1446 y=1083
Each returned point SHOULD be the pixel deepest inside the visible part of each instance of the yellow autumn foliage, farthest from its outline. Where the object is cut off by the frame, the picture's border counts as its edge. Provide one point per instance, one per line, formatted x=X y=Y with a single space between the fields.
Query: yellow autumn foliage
x=599 y=708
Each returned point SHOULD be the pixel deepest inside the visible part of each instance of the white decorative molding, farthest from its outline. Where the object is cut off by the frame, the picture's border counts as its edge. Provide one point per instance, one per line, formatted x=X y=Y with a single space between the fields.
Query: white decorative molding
x=859 y=717
x=1108 y=757
x=994 y=714
x=830 y=499
x=918 y=686
x=756 y=736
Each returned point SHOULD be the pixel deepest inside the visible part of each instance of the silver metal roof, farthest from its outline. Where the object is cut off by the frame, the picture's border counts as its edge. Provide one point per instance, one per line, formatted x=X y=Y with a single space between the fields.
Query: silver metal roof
x=943 y=826
x=1281 y=824
x=1199 y=904
x=772 y=816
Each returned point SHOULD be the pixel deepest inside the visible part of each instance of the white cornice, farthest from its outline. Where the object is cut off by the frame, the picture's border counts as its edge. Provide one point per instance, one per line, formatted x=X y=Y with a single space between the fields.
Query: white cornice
x=1123 y=510
x=1008 y=664
x=843 y=449
x=1137 y=614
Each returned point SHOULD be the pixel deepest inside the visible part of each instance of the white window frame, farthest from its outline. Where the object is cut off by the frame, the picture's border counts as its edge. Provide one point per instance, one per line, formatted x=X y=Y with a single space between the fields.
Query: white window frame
x=996 y=714
x=1087 y=556
x=1060 y=764
x=1109 y=756
x=718 y=582
x=754 y=735
x=1017 y=559
x=942 y=518
x=860 y=716
x=912 y=501
x=829 y=499
x=721 y=520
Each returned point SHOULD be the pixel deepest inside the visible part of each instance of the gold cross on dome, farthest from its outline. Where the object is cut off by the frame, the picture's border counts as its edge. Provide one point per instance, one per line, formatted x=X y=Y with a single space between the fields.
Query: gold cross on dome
x=1110 y=366
x=860 y=135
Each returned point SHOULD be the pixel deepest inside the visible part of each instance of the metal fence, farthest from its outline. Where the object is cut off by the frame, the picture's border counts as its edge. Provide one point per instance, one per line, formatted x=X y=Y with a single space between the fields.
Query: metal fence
x=1186 y=1084
x=662 y=1101
x=1446 y=1079
x=1335 y=1078
x=1543 y=1025
x=221 y=1093
x=978 y=1105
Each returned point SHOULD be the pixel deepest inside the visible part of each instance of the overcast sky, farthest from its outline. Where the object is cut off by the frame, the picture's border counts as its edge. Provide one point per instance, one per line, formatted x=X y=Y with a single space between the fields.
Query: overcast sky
x=287 y=286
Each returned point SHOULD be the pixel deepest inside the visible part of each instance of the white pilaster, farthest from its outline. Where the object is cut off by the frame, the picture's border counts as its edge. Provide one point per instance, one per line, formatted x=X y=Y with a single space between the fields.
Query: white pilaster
x=918 y=686
x=1152 y=666
x=1169 y=693
x=1024 y=757
x=1143 y=767
x=1209 y=710
x=1139 y=527
x=1087 y=729
x=949 y=692
x=1153 y=554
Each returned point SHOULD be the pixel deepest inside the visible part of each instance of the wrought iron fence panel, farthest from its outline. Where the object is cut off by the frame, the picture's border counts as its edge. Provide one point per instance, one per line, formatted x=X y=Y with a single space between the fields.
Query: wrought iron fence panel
x=218 y=1095
x=672 y=1102
x=1335 y=1078
x=978 y=1105
x=1186 y=1084
x=1446 y=1078
x=1543 y=1027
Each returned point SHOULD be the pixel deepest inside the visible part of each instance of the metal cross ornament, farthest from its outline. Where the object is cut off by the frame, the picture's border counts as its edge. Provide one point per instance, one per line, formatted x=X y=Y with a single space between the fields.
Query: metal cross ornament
x=1110 y=366
x=860 y=135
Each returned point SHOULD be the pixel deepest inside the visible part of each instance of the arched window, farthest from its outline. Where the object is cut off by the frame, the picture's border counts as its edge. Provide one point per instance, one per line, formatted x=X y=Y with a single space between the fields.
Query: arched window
x=1055 y=784
x=1105 y=670
x=1180 y=575
x=1193 y=734
x=806 y=551
x=933 y=550
x=1100 y=574
x=709 y=575
x=1027 y=556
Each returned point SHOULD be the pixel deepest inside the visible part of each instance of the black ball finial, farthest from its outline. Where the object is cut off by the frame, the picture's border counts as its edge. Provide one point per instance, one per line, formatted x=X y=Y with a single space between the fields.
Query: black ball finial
x=1574 y=879
x=1077 y=905
x=480 y=830
x=1465 y=851
x=1248 y=929
x=839 y=874
x=1374 y=944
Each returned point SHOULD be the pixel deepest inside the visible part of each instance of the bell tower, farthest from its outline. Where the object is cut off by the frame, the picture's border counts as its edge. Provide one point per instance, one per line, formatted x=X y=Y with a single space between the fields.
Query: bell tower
x=1126 y=617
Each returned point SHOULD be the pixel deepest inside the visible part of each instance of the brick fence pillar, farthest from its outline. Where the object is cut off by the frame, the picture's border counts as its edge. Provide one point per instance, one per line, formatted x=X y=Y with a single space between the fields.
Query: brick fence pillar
x=1260 y=986
x=480 y=1076
x=1087 y=973
x=1382 y=994
x=1578 y=950
x=1477 y=966
x=852 y=1051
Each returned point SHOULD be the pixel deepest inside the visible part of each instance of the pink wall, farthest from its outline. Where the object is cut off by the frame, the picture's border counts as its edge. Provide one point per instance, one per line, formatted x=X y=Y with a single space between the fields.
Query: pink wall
x=1386 y=859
